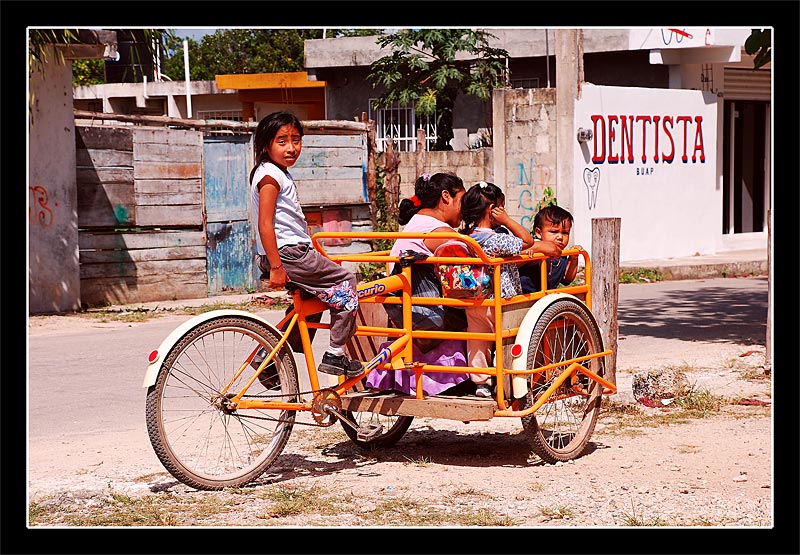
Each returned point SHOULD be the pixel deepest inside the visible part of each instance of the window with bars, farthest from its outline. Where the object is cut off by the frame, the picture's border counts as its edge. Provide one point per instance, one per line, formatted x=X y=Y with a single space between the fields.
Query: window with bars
x=227 y=115
x=94 y=105
x=400 y=124
x=525 y=83
x=223 y=115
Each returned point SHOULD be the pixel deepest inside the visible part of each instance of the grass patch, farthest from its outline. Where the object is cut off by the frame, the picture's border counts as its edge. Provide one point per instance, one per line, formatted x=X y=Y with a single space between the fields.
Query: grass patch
x=754 y=374
x=556 y=513
x=640 y=275
x=248 y=306
x=116 y=509
x=293 y=501
x=633 y=520
x=419 y=461
x=629 y=419
x=105 y=315
x=403 y=511
x=700 y=402
x=131 y=316
x=484 y=517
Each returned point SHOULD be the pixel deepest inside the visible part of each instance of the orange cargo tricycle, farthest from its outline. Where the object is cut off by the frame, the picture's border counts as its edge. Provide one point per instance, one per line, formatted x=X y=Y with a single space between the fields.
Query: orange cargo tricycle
x=217 y=417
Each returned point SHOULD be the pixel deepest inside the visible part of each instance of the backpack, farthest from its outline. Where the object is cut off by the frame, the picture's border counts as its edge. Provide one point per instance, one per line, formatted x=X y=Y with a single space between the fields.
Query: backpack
x=462 y=281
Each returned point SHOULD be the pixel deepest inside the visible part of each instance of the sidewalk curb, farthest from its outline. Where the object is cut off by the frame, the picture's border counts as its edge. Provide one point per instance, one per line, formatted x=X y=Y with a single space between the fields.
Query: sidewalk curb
x=670 y=272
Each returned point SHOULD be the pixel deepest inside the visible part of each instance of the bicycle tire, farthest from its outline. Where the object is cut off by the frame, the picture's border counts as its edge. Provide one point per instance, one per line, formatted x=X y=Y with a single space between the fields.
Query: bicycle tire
x=201 y=444
x=560 y=429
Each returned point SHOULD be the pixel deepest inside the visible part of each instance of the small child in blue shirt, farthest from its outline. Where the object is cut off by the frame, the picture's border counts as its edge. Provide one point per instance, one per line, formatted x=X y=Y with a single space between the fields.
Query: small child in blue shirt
x=551 y=224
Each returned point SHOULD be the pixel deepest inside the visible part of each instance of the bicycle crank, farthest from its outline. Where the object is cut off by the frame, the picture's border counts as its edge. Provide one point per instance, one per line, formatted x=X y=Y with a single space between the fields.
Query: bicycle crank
x=325 y=405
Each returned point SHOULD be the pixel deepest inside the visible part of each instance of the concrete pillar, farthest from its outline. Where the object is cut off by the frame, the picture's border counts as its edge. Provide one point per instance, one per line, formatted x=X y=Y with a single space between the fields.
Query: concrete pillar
x=499 y=138
x=53 y=266
x=569 y=77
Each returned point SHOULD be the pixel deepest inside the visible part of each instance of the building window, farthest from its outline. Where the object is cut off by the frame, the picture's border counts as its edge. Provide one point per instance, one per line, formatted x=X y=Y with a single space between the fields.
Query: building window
x=223 y=115
x=400 y=125
x=525 y=83
x=94 y=105
x=227 y=115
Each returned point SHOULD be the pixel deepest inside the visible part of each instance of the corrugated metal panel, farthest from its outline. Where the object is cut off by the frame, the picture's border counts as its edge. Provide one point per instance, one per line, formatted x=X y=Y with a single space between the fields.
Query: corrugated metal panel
x=226 y=172
x=230 y=254
x=748 y=84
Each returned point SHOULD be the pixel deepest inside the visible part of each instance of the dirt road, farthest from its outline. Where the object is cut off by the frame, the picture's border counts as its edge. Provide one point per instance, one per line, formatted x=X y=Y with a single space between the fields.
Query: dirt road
x=654 y=469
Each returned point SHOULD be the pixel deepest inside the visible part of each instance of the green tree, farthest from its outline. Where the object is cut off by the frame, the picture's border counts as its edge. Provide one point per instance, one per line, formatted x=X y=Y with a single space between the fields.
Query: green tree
x=423 y=71
x=237 y=51
x=759 y=45
x=88 y=72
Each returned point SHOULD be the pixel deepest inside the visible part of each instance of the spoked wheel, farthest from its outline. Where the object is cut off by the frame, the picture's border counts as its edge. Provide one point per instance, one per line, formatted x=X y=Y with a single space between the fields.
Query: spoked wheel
x=394 y=427
x=560 y=429
x=197 y=436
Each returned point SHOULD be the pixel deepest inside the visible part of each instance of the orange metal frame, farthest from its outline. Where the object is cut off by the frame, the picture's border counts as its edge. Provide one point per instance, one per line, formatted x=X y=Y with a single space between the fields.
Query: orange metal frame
x=398 y=354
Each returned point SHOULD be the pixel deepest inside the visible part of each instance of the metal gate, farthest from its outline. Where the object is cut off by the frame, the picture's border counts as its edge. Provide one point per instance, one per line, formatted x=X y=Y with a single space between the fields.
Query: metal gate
x=230 y=242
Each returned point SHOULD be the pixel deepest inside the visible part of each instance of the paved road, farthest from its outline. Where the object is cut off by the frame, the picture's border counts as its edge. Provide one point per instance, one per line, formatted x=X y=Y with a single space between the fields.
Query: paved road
x=90 y=378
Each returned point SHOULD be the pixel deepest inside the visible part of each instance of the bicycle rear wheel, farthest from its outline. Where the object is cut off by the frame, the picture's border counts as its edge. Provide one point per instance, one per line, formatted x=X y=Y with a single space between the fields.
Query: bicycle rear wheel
x=560 y=429
x=394 y=427
x=198 y=440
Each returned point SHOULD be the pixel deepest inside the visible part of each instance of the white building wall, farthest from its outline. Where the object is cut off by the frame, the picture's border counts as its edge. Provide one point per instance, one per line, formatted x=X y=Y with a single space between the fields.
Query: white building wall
x=667 y=208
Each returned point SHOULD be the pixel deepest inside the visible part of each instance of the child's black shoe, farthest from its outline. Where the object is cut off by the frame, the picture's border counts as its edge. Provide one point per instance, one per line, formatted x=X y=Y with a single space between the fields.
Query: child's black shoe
x=339 y=365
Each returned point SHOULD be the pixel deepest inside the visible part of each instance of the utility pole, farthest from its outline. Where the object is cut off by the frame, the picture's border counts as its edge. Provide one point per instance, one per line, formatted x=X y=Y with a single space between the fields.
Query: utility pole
x=569 y=78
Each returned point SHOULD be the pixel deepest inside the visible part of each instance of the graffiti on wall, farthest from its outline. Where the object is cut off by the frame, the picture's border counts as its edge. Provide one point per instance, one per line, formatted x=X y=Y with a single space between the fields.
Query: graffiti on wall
x=670 y=33
x=39 y=211
x=532 y=178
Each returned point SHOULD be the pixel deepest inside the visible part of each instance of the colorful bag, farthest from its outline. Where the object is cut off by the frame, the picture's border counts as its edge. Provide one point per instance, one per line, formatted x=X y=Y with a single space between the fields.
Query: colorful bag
x=462 y=281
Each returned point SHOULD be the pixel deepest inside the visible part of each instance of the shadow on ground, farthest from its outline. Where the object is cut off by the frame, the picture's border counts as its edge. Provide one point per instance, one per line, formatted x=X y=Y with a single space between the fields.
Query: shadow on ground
x=712 y=313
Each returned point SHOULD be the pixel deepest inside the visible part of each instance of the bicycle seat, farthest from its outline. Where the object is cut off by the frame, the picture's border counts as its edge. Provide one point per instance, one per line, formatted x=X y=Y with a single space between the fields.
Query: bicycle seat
x=407 y=258
x=292 y=287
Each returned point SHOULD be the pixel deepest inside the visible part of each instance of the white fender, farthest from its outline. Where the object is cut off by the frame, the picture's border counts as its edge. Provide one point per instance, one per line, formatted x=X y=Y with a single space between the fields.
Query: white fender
x=169 y=342
x=520 y=383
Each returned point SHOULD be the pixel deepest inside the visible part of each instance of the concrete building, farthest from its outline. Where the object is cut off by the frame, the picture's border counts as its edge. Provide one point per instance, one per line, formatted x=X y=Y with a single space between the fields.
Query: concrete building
x=645 y=68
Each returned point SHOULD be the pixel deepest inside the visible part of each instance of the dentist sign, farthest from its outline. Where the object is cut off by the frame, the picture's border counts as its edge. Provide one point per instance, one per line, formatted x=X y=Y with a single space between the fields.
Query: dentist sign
x=651 y=161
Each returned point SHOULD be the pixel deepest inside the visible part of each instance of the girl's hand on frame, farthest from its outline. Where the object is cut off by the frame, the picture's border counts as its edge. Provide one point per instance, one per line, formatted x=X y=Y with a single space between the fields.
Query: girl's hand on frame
x=278 y=278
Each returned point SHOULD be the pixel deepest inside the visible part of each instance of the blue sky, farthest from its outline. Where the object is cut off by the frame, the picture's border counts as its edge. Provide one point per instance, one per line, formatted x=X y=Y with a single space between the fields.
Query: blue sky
x=194 y=32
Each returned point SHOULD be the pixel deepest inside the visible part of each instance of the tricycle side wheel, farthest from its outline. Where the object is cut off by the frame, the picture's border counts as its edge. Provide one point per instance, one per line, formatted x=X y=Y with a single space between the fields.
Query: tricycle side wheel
x=560 y=429
x=198 y=437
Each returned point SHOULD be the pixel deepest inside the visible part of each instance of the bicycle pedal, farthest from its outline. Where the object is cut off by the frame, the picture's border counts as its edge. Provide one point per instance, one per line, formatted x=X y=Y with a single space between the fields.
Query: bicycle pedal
x=367 y=432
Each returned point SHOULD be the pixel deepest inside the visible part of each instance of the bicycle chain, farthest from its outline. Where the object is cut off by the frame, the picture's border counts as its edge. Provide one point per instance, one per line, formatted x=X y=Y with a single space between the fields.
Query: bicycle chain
x=316 y=392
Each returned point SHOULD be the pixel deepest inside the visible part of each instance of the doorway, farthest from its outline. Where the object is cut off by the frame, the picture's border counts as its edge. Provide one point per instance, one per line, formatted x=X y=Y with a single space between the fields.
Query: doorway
x=745 y=172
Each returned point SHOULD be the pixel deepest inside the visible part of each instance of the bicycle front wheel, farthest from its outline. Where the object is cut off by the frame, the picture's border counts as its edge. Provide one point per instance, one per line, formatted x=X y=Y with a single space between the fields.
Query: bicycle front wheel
x=560 y=429
x=199 y=440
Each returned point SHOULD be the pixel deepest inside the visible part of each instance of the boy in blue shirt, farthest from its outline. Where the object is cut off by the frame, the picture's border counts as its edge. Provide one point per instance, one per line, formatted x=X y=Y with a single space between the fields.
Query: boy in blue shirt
x=551 y=224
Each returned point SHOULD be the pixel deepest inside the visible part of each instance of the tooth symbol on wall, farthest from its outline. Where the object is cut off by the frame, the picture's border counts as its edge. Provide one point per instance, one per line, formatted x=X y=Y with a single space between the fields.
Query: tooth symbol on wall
x=592 y=180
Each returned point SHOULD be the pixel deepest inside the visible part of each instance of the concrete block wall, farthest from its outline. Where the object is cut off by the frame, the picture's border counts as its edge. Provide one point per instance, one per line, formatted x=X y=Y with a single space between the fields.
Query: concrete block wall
x=524 y=148
x=470 y=165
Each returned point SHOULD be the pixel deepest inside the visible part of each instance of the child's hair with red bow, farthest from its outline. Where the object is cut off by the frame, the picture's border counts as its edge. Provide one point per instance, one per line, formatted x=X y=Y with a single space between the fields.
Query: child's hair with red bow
x=427 y=191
